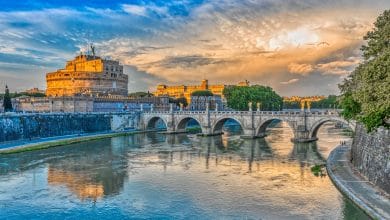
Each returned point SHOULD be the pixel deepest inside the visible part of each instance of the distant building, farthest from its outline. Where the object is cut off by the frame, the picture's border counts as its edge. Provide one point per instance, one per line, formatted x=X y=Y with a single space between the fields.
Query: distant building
x=199 y=103
x=34 y=91
x=88 y=104
x=186 y=91
x=88 y=75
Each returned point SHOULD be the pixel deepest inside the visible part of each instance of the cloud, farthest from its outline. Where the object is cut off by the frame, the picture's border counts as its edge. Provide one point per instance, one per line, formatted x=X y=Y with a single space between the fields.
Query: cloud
x=265 y=42
x=286 y=39
x=290 y=81
x=302 y=69
x=339 y=67
x=134 y=9
x=188 y=61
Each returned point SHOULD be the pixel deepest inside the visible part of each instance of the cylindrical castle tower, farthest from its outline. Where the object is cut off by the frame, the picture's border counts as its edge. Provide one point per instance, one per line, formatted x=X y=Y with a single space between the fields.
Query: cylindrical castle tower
x=88 y=75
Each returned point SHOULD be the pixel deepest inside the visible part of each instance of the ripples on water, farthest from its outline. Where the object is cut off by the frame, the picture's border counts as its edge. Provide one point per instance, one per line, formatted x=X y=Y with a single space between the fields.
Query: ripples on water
x=176 y=176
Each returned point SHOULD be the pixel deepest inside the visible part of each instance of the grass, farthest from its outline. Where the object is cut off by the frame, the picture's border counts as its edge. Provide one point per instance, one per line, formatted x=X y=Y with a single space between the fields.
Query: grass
x=57 y=143
x=195 y=129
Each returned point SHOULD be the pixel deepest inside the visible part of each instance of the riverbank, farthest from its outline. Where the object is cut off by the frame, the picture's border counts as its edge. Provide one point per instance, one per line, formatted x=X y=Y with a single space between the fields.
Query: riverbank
x=44 y=143
x=372 y=200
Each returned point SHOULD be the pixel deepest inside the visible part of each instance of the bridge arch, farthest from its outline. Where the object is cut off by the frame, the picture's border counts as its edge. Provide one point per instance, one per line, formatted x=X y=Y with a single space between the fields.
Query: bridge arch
x=316 y=125
x=261 y=129
x=152 y=122
x=217 y=127
x=182 y=123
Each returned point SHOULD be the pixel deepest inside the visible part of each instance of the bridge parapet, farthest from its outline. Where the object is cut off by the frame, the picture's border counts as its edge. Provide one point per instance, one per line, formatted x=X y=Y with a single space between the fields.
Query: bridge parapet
x=304 y=124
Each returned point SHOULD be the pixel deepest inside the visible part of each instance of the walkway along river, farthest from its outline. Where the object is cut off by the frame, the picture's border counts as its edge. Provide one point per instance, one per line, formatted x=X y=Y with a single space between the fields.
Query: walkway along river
x=176 y=176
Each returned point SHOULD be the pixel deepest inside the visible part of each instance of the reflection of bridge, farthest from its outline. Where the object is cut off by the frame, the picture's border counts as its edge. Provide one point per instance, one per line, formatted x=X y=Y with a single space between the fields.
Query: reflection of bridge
x=253 y=123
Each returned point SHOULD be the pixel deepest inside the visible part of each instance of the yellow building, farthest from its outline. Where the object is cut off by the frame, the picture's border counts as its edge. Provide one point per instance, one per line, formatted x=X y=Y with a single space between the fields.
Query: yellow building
x=186 y=91
x=88 y=75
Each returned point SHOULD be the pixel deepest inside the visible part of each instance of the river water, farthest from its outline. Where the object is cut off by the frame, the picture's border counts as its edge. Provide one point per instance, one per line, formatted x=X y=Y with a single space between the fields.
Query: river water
x=157 y=176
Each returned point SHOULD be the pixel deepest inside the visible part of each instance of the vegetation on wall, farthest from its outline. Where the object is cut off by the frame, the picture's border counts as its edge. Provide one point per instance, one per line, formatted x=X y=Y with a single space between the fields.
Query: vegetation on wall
x=202 y=93
x=140 y=94
x=238 y=97
x=366 y=91
x=177 y=101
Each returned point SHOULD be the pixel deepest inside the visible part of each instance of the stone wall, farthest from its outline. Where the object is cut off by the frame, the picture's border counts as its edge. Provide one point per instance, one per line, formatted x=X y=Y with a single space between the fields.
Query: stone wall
x=32 y=126
x=371 y=155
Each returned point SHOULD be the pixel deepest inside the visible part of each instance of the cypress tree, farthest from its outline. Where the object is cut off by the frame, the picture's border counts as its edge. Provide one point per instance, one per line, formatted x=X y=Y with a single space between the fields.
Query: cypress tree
x=7 y=104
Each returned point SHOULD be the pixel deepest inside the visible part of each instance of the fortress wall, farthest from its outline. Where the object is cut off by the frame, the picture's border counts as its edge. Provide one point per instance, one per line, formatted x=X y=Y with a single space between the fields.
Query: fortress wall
x=370 y=154
x=32 y=126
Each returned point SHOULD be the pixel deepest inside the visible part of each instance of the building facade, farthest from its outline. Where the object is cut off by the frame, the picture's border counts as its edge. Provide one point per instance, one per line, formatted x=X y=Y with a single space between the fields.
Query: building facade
x=186 y=91
x=199 y=103
x=88 y=75
x=34 y=91
x=89 y=104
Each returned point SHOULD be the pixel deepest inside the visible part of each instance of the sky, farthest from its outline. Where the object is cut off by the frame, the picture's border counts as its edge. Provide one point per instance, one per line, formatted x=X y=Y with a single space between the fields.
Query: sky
x=298 y=47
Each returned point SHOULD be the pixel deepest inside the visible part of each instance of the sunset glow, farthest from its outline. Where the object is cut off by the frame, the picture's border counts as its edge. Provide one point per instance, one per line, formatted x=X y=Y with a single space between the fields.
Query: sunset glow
x=295 y=47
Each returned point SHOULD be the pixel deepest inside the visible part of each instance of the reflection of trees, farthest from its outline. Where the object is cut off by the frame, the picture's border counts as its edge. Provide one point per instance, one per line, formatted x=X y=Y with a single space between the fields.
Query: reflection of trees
x=306 y=152
x=223 y=148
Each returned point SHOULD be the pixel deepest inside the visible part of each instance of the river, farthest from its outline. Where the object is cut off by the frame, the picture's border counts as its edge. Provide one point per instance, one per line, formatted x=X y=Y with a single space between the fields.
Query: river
x=157 y=176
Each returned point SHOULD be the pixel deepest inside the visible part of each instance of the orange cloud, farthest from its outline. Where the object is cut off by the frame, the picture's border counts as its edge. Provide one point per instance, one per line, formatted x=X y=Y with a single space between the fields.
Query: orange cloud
x=302 y=69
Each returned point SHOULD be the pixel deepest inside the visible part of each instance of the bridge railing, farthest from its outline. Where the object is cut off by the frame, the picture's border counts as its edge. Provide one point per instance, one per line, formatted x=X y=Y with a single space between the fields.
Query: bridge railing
x=286 y=113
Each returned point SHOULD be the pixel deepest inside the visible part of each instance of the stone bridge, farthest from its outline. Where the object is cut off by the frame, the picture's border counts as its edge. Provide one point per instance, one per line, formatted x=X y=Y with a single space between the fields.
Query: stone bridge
x=304 y=124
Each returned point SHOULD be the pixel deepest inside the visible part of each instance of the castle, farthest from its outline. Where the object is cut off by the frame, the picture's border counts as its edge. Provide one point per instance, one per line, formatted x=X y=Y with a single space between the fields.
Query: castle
x=88 y=83
x=88 y=75
x=186 y=91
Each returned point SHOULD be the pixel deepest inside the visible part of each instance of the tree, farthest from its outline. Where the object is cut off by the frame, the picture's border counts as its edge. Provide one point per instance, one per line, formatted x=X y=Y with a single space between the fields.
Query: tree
x=365 y=93
x=202 y=93
x=331 y=100
x=7 y=104
x=140 y=94
x=238 y=97
x=178 y=101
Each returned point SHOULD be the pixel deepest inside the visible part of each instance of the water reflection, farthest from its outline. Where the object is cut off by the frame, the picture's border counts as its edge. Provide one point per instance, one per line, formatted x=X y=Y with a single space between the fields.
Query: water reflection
x=155 y=175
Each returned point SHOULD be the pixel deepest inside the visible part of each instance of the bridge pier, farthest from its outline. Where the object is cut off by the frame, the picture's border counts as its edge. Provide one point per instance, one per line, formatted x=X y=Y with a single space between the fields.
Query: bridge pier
x=251 y=134
x=302 y=136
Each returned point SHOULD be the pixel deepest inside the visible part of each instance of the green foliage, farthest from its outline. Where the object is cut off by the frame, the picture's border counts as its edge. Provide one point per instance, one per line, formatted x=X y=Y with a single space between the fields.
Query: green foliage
x=177 y=101
x=291 y=105
x=329 y=102
x=350 y=107
x=7 y=104
x=202 y=93
x=238 y=97
x=365 y=93
x=16 y=95
x=140 y=94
